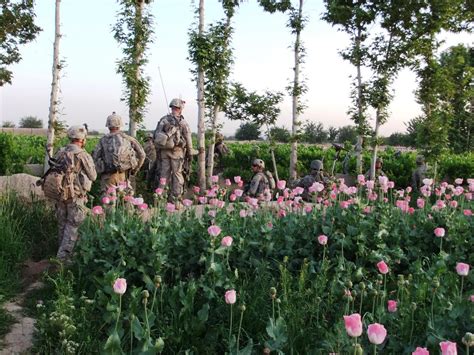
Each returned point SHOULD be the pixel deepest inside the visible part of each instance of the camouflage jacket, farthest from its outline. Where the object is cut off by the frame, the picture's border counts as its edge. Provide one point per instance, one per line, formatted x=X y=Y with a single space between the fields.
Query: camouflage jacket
x=86 y=173
x=178 y=132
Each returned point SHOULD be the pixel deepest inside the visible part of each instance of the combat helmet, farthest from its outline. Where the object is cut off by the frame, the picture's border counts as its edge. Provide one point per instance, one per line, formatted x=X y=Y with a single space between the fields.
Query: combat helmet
x=316 y=165
x=177 y=103
x=114 y=121
x=420 y=160
x=258 y=162
x=77 y=132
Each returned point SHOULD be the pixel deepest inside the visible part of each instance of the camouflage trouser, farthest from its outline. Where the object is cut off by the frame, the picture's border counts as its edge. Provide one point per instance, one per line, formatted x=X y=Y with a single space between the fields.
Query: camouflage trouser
x=172 y=170
x=109 y=180
x=70 y=216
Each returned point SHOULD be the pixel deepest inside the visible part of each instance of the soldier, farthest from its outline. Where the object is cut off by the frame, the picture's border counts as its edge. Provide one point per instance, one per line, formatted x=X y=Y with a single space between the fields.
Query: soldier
x=220 y=150
x=419 y=173
x=262 y=183
x=174 y=150
x=316 y=175
x=72 y=212
x=378 y=169
x=117 y=156
x=150 y=153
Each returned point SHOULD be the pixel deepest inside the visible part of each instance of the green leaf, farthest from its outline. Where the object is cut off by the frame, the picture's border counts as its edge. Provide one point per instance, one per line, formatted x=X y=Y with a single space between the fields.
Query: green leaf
x=203 y=313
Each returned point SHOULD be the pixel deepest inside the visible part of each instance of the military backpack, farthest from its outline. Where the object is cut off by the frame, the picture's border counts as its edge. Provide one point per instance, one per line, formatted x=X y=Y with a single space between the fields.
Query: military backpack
x=118 y=153
x=58 y=182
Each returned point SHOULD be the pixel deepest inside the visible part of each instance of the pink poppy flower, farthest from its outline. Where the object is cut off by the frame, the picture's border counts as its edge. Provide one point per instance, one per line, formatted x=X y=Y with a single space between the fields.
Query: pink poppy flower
x=214 y=230
x=462 y=269
x=448 y=348
x=211 y=213
x=230 y=296
x=392 y=306
x=202 y=200
x=353 y=324
x=471 y=298
x=420 y=351
x=170 y=207
x=227 y=241
x=232 y=197
x=408 y=189
x=238 y=192
x=458 y=181
x=97 y=210
x=162 y=181
x=143 y=207
x=187 y=202
x=196 y=189
x=361 y=179
x=382 y=266
x=322 y=239
x=228 y=182
x=220 y=204
x=439 y=232
x=105 y=200
x=281 y=184
x=376 y=333
x=214 y=178
x=467 y=213
x=120 y=286
x=453 y=204
x=237 y=179
x=159 y=191
x=243 y=213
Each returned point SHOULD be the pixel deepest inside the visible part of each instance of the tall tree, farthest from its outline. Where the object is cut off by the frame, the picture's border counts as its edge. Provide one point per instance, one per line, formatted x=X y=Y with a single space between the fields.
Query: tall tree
x=354 y=18
x=451 y=15
x=54 y=100
x=211 y=49
x=133 y=31
x=17 y=27
x=31 y=122
x=297 y=88
x=259 y=110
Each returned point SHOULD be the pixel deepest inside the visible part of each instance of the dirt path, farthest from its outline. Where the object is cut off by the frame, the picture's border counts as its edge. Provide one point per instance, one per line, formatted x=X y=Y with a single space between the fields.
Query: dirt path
x=20 y=338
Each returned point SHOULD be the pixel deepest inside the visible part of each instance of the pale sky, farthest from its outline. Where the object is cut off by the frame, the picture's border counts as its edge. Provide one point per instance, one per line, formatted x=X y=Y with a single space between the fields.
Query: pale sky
x=91 y=90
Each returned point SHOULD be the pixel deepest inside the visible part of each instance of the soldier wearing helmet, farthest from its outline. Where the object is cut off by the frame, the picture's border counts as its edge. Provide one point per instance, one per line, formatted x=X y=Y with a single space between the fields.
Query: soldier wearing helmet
x=419 y=173
x=220 y=150
x=262 y=183
x=316 y=175
x=378 y=170
x=72 y=212
x=117 y=156
x=174 y=149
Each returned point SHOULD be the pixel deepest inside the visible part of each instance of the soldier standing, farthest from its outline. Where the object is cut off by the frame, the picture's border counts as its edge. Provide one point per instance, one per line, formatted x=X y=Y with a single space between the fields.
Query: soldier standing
x=419 y=173
x=174 y=149
x=72 y=212
x=316 y=175
x=220 y=150
x=262 y=183
x=150 y=153
x=117 y=156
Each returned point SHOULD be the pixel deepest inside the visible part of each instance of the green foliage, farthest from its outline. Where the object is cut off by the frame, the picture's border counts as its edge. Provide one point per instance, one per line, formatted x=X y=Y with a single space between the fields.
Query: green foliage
x=291 y=285
x=314 y=133
x=20 y=237
x=8 y=124
x=247 y=131
x=280 y=134
x=31 y=122
x=17 y=27
x=133 y=31
x=347 y=134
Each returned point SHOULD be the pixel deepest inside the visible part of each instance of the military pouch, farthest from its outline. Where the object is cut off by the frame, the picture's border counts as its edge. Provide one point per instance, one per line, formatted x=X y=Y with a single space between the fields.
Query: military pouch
x=163 y=141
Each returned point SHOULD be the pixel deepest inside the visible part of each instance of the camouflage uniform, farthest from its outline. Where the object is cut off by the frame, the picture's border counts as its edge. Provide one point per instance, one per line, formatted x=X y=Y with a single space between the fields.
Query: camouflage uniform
x=316 y=175
x=220 y=150
x=113 y=178
x=174 y=145
x=150 y=153
x=71 y=213
x=419 y=174
x=259 y=184
x=378 y=170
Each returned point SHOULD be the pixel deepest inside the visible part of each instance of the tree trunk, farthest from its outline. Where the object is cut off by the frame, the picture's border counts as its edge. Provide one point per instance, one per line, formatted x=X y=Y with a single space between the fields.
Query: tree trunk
x=360 y=109
x=53 y=102
x=296 y=94
x=376 y=134
x=212 y=144
x=201 y=112
x=272 y=152
x=133 y=109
